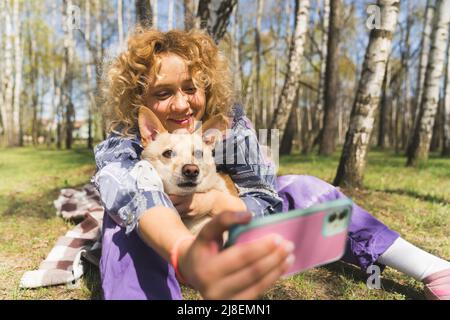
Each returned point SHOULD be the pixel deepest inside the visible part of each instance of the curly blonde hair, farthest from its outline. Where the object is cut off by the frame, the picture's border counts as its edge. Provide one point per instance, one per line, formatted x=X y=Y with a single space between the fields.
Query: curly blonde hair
x=131 y=73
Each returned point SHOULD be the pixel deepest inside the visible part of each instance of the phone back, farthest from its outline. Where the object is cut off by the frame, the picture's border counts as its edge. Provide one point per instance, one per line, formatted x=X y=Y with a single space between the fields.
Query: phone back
x=319 y=236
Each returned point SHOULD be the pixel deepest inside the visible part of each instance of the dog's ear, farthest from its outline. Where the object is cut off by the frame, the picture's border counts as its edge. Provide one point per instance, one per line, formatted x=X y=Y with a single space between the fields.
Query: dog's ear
x=214 y=129
x=149 y=125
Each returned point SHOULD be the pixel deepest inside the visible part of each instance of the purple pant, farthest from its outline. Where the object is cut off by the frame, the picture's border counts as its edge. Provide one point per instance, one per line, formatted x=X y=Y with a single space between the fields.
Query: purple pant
x=132 y=270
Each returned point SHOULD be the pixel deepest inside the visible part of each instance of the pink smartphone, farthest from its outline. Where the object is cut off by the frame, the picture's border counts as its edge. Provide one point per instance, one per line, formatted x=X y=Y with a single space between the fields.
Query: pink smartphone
x=319 y=233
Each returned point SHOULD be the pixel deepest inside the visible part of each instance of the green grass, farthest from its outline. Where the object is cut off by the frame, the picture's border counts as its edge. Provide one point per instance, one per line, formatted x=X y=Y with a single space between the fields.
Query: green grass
x=413 y=201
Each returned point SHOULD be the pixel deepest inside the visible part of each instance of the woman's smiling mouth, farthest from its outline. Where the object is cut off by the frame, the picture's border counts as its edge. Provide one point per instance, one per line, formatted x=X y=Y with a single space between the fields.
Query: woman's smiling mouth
x=183 y=121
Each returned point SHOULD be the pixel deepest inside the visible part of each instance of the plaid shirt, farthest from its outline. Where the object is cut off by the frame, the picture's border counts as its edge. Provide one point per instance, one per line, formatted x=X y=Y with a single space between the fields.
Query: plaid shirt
x=129 y=186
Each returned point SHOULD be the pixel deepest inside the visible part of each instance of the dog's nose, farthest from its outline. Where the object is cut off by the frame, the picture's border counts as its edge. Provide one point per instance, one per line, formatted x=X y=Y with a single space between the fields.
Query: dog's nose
x=190 y=171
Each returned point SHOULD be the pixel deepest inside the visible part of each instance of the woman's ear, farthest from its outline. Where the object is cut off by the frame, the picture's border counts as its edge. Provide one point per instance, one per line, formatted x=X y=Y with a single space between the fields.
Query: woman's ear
x=149 y=125
x=214 y=129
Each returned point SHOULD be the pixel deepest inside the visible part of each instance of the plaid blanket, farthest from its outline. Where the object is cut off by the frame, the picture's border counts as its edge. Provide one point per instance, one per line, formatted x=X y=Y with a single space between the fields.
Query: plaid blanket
x=65 y=262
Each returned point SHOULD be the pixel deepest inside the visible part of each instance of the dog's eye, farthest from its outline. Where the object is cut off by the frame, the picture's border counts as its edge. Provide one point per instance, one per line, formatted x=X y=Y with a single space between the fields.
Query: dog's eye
x=198 y=154
x=168 y=154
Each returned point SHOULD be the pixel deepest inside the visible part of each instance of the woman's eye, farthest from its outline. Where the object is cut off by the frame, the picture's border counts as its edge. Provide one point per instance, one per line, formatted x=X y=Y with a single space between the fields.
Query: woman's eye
x=190 y=90
x=162 y=95
x=198 y=154
x=168 y=154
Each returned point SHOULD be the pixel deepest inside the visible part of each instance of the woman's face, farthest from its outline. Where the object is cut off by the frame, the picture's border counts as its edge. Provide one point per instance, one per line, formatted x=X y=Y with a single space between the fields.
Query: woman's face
x=173 y=97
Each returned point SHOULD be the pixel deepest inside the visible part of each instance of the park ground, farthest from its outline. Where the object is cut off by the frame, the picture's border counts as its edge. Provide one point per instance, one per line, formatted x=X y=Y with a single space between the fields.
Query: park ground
x=413 y=201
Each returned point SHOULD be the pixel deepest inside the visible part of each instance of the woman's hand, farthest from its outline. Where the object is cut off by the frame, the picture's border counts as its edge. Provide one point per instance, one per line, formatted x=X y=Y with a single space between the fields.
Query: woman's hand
x=239 y=272
x=212 y=202
x=196 y=204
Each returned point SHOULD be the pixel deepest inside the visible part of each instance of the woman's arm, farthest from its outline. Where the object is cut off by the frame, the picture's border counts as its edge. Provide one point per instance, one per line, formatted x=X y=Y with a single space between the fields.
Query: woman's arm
x=239 y=272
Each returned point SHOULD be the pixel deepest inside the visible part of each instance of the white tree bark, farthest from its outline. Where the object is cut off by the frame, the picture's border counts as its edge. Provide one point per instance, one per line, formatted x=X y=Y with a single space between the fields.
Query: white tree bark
x=420 y=144
x=119 y=20
x=353 y=159
x=291 y=84
x=446 y=117
x=323 y=59
x=8 y=77
x=2 y=36
x=170 y=15
x=155 y=13
x=424 y=52
x=18 y=53
x=236 y=51
x=257 y=106
x=91 y=104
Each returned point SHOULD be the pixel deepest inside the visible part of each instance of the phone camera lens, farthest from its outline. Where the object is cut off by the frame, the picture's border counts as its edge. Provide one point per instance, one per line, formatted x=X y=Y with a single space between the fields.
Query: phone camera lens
x=343 y=215
x=332 y=217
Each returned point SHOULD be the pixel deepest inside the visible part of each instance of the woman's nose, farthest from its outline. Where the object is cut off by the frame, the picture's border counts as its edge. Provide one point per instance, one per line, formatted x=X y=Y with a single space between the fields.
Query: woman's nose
x=180 y=102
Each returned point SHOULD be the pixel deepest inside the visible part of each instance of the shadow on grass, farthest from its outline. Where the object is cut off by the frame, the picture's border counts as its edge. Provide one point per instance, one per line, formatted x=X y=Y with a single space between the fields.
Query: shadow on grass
x=416 y=195
x=388 y=285
x=92 y=281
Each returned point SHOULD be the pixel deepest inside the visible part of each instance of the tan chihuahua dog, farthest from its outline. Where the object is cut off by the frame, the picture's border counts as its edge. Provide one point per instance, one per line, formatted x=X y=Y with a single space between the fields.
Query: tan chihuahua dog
x=185 y=161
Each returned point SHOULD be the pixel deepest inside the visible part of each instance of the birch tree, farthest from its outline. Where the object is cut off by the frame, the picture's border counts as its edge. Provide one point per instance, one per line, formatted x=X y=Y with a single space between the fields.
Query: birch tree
x=170 y=14
x=323 y=59
x=424 y=52
x=87 y=32
x=155 y=11
x=420 y=143
x=291 y=83
x=18 y=53
x=8 y=77
x=214 y=16
x=446 y=109
x=353 y=159
x=2 y=105
x=119 y=20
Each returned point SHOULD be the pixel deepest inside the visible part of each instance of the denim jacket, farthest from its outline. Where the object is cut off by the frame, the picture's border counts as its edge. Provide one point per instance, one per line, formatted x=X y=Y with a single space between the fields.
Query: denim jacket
x=128 y=186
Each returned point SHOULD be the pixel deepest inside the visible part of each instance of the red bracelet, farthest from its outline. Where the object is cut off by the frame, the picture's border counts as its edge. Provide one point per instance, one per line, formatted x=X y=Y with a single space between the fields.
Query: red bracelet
x=174 y=256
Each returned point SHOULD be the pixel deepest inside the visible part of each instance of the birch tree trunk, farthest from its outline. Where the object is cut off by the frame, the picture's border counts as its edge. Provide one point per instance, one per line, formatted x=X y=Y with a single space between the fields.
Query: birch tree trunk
x=236 y=51
x=353 y=159
x=67 y=80
x=291 y=83
x=420 y=143
x=214 y=16
x=424 y=52
x=155 y=13
x=446 y=109
x=170 y=15
x=406 y=114
x=119 y=21
x=330 y=119
x=8 y=77
x=2 y=36
x=257 y=52
x=99 y=54
x=323 y=59
x=87 y=32
x=18 y=53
